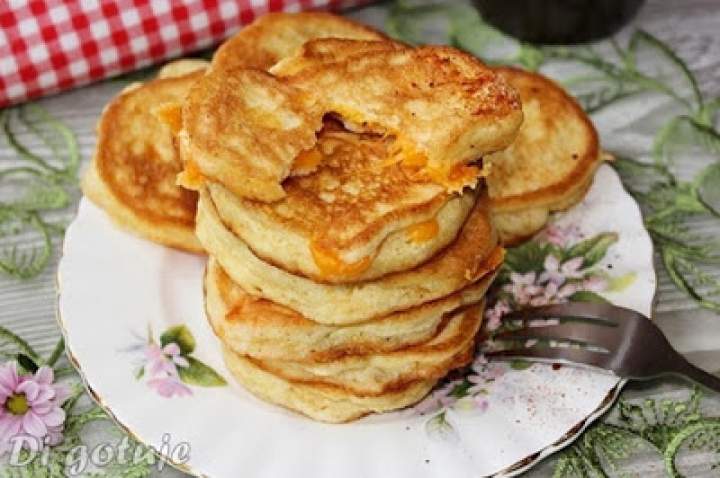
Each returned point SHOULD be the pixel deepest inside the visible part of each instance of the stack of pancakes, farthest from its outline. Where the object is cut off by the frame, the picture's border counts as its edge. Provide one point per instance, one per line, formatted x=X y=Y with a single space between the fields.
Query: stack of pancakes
x=337 y=181
x=343 y=280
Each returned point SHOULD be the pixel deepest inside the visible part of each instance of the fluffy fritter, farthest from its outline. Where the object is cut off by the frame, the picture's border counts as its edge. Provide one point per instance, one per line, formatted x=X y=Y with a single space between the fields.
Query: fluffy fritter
x=321 y=402
x=472 y=256
x=377 y=374
x=550 y=164
x=264 y=330
x=353 y=219
x=135 y=165
x=442 y=108
x=275 y=36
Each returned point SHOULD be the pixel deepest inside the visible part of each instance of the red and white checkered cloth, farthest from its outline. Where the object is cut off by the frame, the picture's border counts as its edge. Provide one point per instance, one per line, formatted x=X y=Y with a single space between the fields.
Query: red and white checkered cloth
x=48 y=46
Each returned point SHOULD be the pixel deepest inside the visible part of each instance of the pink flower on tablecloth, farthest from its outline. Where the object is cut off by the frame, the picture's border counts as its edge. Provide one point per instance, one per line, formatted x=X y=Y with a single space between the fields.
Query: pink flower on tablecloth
x=30 y=405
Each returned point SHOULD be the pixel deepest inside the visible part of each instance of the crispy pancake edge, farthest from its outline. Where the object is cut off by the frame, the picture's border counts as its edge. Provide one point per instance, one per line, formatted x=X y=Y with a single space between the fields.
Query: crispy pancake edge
x=424 y=361
x=319 y=402
x=554 y=194
x=266 y=332
x=473 y=255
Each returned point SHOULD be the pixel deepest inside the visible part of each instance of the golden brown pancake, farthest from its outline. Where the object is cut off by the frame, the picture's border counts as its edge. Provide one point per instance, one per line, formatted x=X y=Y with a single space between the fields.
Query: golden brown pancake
x=442 y=108
x=134 y=169
x=326 y=403
x=262 y=329
x=550 y=164
x=472 y=256
x=275 y=36
x=355 y=218
x=378 y=374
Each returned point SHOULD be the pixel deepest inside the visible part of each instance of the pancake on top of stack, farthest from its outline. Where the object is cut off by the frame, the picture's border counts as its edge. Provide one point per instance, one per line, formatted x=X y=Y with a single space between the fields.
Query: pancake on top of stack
x=134 y=169
x=341 y=203
x=442 y=109
x=551 y=163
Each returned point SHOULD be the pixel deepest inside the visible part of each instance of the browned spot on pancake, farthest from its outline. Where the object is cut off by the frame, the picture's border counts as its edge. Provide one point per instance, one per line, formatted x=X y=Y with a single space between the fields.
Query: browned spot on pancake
x=171 y=115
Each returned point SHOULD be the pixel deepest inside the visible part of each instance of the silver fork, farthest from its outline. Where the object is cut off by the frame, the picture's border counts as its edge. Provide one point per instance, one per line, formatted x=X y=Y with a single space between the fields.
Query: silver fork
x=599 y=335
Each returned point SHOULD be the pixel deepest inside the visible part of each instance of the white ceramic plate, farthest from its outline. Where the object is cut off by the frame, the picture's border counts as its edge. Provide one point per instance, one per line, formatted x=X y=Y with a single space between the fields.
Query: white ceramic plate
x=115 y=288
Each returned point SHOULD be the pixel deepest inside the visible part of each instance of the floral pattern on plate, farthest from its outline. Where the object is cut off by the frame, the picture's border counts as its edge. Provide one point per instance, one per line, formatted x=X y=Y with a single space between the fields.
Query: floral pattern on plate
x=559 y=265
x=168 y=367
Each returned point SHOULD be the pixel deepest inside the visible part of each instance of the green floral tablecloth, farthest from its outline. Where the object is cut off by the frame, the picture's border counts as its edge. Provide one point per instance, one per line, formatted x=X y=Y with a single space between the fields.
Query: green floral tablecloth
x=654 y=94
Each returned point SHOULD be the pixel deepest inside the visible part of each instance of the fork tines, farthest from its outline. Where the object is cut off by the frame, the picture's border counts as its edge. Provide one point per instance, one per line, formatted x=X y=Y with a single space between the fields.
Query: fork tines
x=583 y=332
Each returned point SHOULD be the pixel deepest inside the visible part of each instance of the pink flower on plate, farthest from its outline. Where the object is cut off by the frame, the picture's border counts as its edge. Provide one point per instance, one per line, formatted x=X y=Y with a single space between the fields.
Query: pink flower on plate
x=558 y=273
x=486 y=372
x=495 y=314
x=553 y=294
x=30 y=405
x=162 y=370
x=172 y=351
x=440 y=398
x=479 y=384
x=562 y=236
x=164 y=361
x=481 y=402
x=595 y=284
x=169 y=386
x=522 y=287
x=444 y=394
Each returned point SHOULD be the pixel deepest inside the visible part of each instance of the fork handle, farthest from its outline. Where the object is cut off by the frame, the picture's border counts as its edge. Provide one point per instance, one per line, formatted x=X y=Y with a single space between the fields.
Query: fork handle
x=685 y=368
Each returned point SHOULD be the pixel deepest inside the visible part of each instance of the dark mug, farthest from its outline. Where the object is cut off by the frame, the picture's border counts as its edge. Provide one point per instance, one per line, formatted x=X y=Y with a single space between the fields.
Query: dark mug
x=558 y=21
